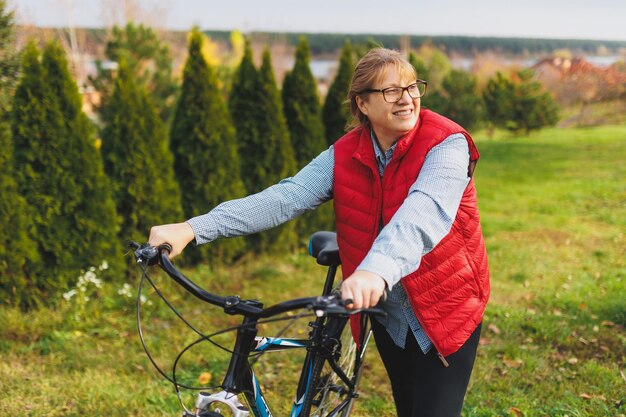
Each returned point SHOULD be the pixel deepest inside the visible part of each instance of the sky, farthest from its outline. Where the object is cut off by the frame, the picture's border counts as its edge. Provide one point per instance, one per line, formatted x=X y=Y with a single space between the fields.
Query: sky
x=564 y=19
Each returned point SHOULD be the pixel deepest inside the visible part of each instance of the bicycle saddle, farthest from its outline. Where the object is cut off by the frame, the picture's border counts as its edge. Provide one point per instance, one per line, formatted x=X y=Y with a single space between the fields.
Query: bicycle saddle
x=323 y=247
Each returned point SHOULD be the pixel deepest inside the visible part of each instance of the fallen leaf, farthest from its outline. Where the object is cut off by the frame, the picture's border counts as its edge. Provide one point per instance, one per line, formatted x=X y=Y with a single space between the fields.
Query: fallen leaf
x=494 y=328
x=592 y=397
x=572 y=361
x=204 y=378
x=512 y=363
x=516 y=411
x=484 y=341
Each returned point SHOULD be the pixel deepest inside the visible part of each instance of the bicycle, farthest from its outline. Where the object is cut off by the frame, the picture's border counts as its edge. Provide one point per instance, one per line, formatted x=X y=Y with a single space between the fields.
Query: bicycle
x=332 y=367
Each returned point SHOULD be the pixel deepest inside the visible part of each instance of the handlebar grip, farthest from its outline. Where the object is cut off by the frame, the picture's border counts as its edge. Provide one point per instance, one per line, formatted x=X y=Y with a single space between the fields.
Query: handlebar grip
x=165 y=247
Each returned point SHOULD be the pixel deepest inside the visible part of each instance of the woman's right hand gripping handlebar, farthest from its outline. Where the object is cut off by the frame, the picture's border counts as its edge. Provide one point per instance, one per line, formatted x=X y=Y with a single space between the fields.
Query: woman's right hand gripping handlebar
x=178 y=235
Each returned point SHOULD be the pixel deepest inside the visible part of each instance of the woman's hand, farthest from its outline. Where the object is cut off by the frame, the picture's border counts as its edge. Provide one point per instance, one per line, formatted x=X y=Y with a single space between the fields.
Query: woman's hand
x=178 y=235
x=364 y=288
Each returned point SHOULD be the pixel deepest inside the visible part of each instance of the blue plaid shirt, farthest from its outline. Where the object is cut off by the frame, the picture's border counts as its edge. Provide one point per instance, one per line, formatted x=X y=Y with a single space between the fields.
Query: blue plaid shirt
x=424 y=218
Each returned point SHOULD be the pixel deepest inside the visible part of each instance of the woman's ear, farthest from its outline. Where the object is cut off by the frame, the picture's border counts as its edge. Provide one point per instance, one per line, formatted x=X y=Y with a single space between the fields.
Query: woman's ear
x=362 y=104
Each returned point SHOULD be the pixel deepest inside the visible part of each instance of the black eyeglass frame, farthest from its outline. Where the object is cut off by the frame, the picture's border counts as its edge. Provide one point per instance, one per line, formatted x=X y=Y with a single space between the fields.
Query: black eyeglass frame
x=417 y=82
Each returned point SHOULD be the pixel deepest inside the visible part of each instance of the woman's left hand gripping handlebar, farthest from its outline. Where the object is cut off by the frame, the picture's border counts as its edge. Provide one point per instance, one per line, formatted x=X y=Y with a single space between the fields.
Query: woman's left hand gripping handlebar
x=178 y=235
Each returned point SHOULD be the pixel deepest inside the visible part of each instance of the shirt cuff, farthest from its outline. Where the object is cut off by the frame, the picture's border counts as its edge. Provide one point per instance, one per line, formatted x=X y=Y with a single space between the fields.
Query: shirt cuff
x=204 y=228
x=382 y=265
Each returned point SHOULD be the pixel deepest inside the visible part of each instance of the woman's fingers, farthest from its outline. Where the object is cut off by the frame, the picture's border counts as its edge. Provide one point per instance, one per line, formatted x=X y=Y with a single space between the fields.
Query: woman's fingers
x=178 y=235
x=364 y=288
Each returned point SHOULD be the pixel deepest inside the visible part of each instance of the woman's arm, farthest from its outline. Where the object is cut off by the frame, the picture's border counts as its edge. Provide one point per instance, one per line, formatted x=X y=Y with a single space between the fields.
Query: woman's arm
x=275 y=205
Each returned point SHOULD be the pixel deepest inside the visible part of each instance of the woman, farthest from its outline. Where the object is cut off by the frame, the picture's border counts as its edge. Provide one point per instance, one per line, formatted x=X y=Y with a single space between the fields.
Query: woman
x=407 y=219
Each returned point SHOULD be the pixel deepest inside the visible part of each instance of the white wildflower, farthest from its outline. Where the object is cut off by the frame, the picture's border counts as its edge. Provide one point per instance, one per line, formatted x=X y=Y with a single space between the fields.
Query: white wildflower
x=90 y=276
x=92 y=269
x=125 y=291
x=104 y=266
x=69 y=294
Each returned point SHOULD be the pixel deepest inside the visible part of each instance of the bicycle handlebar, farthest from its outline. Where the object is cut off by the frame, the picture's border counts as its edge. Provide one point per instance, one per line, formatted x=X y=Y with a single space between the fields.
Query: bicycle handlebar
x=321 y=305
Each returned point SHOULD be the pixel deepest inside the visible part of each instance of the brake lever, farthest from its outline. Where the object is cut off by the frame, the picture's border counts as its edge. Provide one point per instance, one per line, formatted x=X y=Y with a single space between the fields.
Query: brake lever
x=145 y=254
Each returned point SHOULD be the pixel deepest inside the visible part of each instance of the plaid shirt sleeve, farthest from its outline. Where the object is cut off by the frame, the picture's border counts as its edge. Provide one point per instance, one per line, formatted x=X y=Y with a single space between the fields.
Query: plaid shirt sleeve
x=291 y=197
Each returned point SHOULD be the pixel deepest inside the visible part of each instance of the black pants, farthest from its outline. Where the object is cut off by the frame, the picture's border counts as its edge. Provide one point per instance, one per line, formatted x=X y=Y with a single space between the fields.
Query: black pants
x=422 y=386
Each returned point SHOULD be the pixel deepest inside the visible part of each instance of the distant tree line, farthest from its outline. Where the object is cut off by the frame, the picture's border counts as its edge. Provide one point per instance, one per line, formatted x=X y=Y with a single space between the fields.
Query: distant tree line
x=74 y=191
x=324 y=43
x=330 y=43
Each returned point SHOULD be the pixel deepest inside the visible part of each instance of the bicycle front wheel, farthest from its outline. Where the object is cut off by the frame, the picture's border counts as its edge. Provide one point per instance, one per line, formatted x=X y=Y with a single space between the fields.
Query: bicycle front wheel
x=335 y=375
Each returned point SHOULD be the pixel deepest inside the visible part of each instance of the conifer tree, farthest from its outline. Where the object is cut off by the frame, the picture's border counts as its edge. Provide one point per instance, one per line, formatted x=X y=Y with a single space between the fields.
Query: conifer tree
x=246 y=113
x=275 y=124
x=520 y=104
x=279 y=160
x=18 y=253
x=302 y=108
x=137 y=160
x=533 y=108
x=93 y=209
x=51 y=142
x=420 y=66
x=147 y=58
x=458 y=99
x=302 y=111
x=205 y=153
x=498 y=96
x=336 y=112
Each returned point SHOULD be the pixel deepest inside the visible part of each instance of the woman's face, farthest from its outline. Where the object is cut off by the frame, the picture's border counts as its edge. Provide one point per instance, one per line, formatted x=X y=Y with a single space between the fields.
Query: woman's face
x=390 y=120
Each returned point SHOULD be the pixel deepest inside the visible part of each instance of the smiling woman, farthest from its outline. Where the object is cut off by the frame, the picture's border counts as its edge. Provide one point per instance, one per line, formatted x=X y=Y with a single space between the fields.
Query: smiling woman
x=397 y=161
x=392 y=113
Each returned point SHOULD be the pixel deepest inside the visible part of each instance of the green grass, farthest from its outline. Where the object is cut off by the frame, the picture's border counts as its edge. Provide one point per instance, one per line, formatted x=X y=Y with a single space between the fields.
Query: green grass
x=553 y=209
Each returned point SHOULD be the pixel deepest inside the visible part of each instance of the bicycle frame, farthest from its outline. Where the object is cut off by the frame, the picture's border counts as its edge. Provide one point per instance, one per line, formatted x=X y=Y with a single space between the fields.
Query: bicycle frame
x=251 y=388
x=240 y=378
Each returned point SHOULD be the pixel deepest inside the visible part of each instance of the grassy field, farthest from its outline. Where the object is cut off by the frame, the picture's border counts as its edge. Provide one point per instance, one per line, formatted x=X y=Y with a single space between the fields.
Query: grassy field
x=553 y=208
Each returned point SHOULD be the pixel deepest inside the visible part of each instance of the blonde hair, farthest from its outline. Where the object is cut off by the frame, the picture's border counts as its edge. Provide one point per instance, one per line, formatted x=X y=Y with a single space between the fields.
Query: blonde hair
x=369 y=70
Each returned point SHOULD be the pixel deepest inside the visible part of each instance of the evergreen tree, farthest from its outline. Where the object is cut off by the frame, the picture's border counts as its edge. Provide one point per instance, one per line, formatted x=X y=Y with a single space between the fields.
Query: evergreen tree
x=302 y=111
x=18 y=253
x=247 y=112
x=458 y=99
x=423 y=73
x=499 y=95
x=9 y=62
x=279 y=159
x=203 y=143
x=51 y=140
x=336 y=111
x=302 y=108
x=533 y=108
x=147 y=58
x=519 y=105
x=137 y=160
x=91 y=207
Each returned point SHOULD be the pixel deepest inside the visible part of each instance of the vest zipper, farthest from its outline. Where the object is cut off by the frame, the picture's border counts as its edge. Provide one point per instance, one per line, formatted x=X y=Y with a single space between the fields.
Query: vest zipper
x=380 y=227
x=439 y=355
x=442 y=359
x=382 y=205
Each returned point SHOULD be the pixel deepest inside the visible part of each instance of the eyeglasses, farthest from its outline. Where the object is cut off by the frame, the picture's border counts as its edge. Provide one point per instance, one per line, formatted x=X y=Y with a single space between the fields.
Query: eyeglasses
x=394 y=94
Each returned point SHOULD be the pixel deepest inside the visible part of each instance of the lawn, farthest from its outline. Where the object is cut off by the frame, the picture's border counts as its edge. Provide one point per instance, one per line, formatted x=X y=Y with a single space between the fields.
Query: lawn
x=553 y=208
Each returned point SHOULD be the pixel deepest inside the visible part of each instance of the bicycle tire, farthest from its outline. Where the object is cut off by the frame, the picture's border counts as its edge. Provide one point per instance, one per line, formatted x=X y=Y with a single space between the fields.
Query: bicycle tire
x=327 y=390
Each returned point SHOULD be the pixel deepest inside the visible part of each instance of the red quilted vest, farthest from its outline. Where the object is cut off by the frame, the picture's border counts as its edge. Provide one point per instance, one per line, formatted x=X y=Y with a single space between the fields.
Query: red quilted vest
x=449 y=291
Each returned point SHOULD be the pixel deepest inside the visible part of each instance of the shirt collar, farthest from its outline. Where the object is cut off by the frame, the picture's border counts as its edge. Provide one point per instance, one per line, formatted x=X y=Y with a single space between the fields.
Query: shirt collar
x=381 y=157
